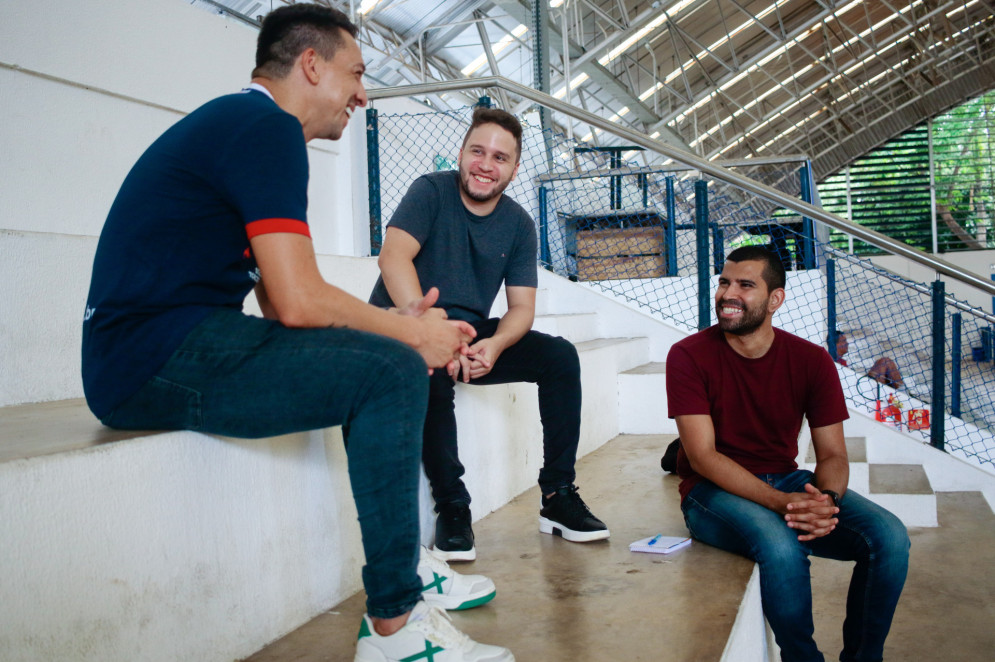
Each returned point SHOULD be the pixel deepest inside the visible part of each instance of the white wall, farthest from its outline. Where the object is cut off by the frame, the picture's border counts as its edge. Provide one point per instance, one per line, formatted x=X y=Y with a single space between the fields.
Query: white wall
x=979 y=262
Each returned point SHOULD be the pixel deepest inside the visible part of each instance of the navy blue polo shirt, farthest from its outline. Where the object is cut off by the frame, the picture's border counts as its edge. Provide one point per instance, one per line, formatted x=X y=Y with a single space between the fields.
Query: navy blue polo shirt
x=175 y=246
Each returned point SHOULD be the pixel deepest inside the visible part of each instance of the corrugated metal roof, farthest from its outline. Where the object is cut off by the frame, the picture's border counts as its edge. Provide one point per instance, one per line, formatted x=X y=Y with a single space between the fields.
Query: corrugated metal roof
x=729 y=78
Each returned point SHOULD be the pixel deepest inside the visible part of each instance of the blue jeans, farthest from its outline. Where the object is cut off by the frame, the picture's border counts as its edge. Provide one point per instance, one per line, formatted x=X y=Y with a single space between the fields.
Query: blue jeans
x=243 y=376
x=551 y=363
x=866 y=533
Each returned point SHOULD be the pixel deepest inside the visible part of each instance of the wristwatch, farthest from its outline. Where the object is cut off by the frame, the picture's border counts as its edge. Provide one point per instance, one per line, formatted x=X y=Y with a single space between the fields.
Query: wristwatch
x=834 y=496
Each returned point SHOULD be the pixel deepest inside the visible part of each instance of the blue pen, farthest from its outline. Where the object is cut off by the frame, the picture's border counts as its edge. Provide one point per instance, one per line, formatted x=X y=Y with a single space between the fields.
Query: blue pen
x=655 y=538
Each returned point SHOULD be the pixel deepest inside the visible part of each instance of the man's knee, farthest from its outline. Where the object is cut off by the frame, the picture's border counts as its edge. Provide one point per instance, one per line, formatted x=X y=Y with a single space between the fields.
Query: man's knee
x=891 y=538
x=781 y=554
x=561 y=355
x=396 y=367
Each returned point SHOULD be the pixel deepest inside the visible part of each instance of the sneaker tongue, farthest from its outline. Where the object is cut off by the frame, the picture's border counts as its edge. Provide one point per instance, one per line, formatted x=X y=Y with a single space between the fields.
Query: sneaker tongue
x=419 y=612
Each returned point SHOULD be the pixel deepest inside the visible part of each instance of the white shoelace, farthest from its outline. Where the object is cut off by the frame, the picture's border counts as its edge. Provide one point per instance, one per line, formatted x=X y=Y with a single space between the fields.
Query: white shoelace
x=437 y=627
x=435 y=563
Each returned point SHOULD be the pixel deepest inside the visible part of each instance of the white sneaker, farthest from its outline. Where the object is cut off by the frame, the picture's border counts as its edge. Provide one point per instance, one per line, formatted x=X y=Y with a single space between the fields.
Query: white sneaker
x=446 y=588
x=429 y=634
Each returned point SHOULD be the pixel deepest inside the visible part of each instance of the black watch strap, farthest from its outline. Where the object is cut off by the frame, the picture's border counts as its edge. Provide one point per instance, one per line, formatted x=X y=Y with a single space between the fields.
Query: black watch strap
x=834 y=496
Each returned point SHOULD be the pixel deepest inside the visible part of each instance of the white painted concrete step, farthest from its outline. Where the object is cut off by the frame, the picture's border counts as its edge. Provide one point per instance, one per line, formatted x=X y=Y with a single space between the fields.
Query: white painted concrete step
x=575 y=327
x=642 y=395
x=904 y=489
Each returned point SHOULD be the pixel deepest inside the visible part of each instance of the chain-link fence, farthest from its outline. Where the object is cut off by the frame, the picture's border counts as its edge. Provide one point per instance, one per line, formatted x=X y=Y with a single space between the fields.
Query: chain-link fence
x=655 y=237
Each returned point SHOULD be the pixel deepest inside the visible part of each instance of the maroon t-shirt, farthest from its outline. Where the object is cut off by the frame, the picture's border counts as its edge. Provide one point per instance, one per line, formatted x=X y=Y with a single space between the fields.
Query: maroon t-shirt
x=756 y=405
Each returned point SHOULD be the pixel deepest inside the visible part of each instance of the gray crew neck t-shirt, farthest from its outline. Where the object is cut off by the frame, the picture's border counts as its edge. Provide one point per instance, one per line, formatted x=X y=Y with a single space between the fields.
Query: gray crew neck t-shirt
x=466 y=256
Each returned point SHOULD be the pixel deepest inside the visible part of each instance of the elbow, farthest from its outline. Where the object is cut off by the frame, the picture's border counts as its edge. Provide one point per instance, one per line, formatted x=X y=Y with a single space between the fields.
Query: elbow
x=293 y=315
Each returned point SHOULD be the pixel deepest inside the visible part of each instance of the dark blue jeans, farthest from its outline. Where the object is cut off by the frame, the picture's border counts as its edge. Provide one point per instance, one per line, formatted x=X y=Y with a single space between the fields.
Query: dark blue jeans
x=552 y=364
x=866 y=533
x=243 y=376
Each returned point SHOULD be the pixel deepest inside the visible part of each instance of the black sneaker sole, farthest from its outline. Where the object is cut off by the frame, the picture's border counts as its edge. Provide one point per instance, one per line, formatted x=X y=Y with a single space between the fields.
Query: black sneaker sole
x=557 y=529
x=455 y=555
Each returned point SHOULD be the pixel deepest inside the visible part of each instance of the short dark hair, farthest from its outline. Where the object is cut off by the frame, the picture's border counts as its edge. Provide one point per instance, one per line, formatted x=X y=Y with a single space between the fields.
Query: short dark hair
x=503 y=119
x=773 y=273
x=290 y=30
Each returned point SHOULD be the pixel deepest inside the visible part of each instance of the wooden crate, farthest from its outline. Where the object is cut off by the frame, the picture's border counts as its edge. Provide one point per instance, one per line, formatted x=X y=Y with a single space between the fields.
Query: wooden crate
x=621 y=253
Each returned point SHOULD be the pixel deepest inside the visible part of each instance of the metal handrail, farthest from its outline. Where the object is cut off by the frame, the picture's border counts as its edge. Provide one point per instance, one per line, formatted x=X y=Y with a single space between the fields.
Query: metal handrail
x=708 y=167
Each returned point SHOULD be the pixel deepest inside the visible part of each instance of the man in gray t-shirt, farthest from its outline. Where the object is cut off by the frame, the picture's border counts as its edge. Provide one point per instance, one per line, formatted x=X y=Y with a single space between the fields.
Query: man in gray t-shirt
x=458 y=232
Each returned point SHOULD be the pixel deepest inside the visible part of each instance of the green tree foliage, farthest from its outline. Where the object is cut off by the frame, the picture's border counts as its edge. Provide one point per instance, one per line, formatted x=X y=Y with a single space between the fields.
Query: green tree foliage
x=889 y=187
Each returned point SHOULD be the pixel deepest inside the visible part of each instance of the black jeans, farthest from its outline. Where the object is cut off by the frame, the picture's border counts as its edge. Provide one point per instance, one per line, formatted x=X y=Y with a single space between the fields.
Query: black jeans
x=548 y=361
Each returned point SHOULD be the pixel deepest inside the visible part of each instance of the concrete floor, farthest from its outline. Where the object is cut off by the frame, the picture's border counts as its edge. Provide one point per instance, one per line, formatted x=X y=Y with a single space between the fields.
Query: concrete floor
x=947 y=611
x=559 y=601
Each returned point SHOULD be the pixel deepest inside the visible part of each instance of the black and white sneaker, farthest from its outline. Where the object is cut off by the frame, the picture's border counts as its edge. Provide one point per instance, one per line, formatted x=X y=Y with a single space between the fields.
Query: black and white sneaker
x=453 y=533
x=565 y=514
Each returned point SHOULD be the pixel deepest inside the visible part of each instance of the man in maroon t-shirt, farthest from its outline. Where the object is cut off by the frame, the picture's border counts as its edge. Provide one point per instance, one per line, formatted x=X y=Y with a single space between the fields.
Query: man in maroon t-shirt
x=739 y=391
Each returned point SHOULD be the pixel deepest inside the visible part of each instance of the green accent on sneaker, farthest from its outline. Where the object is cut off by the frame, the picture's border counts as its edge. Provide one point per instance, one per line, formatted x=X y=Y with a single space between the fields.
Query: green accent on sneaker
x=470 y=604
x=364 y=630
x=437 y=584
x=428 y=654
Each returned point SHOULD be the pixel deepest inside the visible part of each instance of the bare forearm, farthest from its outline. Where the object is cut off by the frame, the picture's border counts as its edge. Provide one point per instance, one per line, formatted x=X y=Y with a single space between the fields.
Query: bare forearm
x=401 y=280
x=733 y=478
x=514 y=325
x=265 y=307
x=833 y=474
x=330 y=306
x=832 y=466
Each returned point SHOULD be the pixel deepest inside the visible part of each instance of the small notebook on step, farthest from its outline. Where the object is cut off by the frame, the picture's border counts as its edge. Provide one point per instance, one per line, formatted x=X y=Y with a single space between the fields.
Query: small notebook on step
x=660 y=544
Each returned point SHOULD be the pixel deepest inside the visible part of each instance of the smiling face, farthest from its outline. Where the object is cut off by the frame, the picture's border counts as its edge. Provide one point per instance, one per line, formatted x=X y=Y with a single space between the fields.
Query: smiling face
x=339 y=89
x=487 y=164
x=742 y=302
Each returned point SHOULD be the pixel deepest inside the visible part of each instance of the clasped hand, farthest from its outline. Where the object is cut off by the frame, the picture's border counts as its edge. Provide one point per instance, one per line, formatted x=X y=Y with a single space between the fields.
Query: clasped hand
x=477 y=362
x=811 y=513
x=447 y=342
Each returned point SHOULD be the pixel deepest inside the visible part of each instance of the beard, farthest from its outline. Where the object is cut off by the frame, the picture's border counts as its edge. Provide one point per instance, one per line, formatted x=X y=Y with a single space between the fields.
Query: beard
x=748 y=322
x=464 y=184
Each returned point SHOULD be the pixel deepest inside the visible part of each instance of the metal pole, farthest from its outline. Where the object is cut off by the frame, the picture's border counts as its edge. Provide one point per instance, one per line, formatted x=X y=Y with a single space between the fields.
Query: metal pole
x=566 y=65
x=808 y=233
x=831 y=306
x=544 y=229
x=955 y=358
x=671 y=229
x=373 y=179
x=937 y=423
x=541 y=71
x=932 y=185
x=701 y=243
x=849 y=211
x=718 y=248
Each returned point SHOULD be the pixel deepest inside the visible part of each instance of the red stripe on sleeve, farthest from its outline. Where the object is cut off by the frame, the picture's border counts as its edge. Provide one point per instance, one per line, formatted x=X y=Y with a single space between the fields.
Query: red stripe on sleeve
x=271 y=225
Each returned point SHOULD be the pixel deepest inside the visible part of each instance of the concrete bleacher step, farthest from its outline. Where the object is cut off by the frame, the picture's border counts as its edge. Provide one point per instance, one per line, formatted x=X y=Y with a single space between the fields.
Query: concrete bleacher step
x=630 y=352
x=642 y=395
x=904 y=489
x=575 y=327
x=223 y=508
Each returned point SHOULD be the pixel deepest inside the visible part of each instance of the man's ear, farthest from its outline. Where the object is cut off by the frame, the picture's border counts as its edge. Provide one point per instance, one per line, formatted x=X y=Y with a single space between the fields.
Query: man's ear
x=775 y=300
x=308 y=62
x=514 y=173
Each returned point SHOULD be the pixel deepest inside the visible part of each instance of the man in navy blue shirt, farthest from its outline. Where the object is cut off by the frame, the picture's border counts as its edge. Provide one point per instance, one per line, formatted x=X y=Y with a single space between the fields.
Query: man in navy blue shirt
x=216 y=207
